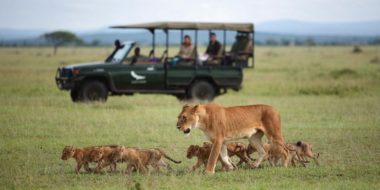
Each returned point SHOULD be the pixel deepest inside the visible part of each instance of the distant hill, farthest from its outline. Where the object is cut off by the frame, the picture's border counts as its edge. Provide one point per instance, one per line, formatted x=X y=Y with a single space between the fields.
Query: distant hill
x=273 y=32
x=366 y=28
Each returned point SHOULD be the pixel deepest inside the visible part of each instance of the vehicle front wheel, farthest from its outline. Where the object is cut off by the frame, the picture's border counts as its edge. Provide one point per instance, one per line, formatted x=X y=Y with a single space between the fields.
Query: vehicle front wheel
x=94 y=91
x=74 y=94
x=202 y=91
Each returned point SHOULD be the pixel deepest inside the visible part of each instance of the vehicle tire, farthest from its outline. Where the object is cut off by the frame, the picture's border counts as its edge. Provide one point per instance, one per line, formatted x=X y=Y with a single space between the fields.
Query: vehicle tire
x=74 y=94
x=202 y=90
x=94 y=91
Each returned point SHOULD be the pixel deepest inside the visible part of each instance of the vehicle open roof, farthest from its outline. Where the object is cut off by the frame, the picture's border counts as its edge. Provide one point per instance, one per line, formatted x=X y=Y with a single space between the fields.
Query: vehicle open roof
x=242 y=27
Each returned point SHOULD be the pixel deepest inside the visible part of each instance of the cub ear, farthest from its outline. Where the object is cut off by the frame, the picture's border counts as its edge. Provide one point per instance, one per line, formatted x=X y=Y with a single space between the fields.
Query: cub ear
x=299 y=143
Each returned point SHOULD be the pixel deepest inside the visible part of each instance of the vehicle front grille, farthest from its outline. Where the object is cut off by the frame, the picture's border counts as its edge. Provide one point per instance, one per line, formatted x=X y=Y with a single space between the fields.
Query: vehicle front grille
x=65 y=72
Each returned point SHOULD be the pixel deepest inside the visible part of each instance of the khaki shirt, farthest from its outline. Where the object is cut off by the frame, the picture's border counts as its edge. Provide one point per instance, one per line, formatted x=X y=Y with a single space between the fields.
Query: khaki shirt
x=185 y=51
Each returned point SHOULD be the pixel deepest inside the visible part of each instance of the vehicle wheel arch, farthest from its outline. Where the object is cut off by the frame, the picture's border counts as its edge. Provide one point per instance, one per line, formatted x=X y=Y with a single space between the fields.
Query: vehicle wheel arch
x=104 y=79
x=208 y=79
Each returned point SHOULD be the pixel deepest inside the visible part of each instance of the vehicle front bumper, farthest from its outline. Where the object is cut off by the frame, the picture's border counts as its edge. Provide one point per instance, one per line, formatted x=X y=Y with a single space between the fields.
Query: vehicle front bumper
x=63 y=82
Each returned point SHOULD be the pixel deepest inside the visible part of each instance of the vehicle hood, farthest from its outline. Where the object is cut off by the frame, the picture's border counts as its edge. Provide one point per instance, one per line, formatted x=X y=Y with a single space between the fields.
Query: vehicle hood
x=86 y=65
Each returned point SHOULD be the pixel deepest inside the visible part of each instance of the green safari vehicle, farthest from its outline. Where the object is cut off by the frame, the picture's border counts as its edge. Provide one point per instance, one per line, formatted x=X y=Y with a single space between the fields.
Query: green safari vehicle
x=194 y=78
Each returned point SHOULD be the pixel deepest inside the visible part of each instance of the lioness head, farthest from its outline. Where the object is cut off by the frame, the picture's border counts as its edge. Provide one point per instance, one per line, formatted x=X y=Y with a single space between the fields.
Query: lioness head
x=189 y=118
x=67 y=152
x=192 y=151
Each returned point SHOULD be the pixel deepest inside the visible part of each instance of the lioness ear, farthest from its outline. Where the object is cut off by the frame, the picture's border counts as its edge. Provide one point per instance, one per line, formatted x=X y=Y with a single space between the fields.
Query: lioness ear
x=195 y=108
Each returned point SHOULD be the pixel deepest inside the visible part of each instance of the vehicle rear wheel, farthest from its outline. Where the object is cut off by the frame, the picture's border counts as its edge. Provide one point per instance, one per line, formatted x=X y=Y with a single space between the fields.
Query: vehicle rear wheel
x=202 y=90
x=94 y=91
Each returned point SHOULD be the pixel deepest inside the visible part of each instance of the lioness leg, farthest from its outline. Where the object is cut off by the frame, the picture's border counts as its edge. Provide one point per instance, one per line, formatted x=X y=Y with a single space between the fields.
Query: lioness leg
x=214 y=155
x=224 y=157
x=255 y=141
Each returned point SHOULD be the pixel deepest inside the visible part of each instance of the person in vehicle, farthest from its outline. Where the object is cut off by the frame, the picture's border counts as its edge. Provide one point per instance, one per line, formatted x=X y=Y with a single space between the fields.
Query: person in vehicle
x=136 y=56
x=241 y=50
x=186 y=49
x=213 y=47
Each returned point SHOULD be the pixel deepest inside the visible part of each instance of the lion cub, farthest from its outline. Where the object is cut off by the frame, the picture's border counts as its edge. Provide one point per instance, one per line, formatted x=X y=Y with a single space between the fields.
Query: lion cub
x=84 y=156
x=239 y=150
x=294 y=157
x=250 y=150
x=104 y=156
x=203 y=153
x=305 y=150
x=140 y=159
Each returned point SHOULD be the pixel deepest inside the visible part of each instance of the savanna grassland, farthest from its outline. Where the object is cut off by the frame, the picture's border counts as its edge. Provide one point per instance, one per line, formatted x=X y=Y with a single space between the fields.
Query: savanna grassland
x=326 y=95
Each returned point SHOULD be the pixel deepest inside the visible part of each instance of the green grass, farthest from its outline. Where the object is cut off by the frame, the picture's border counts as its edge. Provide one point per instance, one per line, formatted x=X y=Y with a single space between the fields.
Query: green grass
x=326 y=95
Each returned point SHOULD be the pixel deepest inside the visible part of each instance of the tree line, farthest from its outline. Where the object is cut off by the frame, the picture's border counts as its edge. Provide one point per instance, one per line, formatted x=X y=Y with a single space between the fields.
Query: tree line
x=64 y=38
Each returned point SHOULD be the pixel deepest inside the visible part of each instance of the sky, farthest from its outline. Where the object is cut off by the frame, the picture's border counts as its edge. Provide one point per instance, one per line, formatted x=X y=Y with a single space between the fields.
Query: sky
x=86 y=15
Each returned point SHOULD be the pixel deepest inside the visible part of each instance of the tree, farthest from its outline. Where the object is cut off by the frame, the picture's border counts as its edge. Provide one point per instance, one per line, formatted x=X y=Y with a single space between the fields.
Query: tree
x=95 y=42
x=285 y=42
x=271 y=42
x=60 y=38
x=310 y=42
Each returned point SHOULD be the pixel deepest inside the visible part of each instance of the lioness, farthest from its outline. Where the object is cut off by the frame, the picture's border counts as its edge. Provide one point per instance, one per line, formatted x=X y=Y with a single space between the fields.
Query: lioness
x=223 y=124
x=140 y=159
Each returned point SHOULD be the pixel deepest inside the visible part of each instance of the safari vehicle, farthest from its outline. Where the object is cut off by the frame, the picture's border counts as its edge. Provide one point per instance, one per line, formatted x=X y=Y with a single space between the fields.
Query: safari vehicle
x=194 y=78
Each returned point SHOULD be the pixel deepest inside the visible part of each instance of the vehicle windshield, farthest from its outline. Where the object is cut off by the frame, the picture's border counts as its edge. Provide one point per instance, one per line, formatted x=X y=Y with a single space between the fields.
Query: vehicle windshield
x=120 y=53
